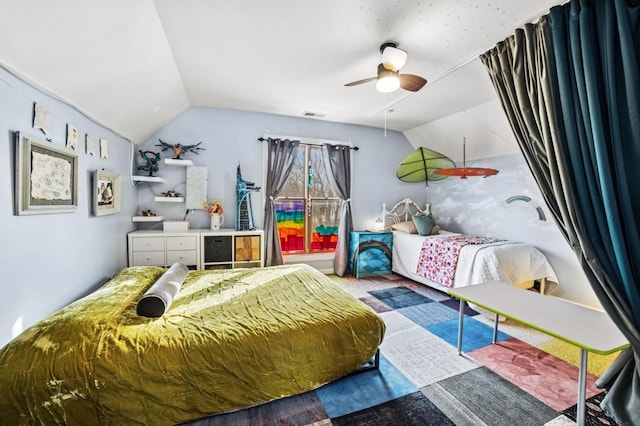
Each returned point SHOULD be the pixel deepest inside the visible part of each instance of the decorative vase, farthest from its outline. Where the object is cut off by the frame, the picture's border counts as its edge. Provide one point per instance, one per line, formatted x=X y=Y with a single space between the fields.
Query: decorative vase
x=216 y=221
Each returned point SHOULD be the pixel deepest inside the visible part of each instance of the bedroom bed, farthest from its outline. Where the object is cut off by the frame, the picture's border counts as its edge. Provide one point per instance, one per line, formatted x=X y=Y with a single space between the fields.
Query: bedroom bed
x=442 y=259
x=229 y=339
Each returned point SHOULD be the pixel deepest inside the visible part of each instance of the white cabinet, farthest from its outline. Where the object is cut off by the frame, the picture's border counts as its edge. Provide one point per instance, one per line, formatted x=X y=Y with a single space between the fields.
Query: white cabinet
x=157 y=248
x=227 y=249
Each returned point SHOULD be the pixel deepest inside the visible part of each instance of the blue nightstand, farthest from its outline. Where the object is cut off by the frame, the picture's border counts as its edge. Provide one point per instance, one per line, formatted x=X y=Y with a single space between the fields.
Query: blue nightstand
x=370 y=253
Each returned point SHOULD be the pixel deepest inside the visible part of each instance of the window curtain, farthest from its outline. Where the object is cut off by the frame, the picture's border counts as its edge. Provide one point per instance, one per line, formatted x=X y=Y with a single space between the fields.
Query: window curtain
x=570 y=87
x=337 y=160
x=281 y=156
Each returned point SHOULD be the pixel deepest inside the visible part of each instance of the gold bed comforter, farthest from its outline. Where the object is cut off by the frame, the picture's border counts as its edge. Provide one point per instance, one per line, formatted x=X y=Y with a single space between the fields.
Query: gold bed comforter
x=231 y=339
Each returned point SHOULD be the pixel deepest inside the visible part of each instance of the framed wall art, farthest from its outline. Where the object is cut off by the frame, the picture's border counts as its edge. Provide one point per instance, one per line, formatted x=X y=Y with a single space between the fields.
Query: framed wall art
x=92 y=145
x=72 y=137
x=46 y=177
x=41 y=118
x=106 y=193
x=104 y=148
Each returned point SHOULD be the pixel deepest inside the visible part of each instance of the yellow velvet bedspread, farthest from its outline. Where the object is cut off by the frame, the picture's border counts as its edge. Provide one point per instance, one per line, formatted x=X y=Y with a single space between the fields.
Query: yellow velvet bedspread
x=231 y=339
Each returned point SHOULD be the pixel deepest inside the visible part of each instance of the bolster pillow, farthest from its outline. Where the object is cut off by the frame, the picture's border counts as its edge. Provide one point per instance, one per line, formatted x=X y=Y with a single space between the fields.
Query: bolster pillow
x=156 y=301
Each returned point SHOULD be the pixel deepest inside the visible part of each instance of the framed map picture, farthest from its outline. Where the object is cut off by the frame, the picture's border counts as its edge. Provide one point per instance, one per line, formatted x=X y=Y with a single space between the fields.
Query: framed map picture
x=46 y=177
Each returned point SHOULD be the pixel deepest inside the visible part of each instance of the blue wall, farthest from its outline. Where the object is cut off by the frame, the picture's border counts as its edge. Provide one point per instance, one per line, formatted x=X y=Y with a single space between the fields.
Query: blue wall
x=231 y=137
x=50 y=260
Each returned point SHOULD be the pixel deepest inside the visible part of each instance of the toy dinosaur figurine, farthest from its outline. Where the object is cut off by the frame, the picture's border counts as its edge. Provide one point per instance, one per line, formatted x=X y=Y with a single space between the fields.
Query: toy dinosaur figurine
x=179 y=149
x=151 y=161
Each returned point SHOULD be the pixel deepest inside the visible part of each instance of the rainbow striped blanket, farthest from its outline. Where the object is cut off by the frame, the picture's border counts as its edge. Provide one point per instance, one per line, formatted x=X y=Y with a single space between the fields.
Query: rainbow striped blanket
x=439 y=256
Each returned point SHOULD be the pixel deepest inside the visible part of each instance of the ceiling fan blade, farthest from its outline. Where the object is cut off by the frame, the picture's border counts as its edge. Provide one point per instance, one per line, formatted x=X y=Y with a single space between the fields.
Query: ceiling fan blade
x=366 y=80
x=411 y=82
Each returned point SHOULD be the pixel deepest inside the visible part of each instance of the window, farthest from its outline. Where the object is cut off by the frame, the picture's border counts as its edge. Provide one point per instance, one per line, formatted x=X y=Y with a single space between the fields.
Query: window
x=307 y=210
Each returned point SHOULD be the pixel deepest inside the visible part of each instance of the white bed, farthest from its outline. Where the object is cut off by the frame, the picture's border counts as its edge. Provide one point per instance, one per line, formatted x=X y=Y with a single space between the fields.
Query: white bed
x=517 y=263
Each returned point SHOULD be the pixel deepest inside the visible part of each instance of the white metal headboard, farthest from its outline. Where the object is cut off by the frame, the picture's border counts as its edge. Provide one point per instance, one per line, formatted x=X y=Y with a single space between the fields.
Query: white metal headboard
x=402 y=211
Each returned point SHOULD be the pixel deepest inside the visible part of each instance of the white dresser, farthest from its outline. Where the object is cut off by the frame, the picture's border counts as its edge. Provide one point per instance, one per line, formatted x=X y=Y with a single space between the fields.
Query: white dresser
x=157 y=248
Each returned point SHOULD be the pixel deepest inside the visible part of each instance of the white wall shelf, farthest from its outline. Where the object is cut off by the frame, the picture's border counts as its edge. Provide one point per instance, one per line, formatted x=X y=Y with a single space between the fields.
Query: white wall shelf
x=176 y=162
x=150 y=179
x=161 y=199
x=147 y=218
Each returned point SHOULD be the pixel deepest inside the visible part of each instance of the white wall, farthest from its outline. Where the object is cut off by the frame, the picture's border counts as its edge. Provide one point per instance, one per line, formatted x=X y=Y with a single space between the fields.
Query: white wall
x=478 y=206
x=50 y=260
x=485 y=128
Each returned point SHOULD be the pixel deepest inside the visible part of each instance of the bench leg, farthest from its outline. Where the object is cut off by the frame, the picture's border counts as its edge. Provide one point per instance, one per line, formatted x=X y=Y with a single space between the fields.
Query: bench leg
x=582 y=388
x=495 y=329
x=460 y=325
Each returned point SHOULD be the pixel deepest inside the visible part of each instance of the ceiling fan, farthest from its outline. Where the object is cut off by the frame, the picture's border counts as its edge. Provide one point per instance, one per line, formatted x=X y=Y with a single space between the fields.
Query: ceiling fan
x=389 y=78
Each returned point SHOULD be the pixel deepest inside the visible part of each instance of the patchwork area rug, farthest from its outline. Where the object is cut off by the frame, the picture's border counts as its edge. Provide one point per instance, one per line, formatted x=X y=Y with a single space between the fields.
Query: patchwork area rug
x=527 y=378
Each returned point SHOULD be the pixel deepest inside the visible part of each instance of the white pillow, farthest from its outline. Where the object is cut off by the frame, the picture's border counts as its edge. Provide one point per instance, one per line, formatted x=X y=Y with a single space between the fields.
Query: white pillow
x=409 y=227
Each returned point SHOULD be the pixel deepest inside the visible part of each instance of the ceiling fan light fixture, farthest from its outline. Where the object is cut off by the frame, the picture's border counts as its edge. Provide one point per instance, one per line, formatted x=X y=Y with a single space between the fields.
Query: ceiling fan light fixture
x=392 y=57
x=389 y=78
x=388 y=84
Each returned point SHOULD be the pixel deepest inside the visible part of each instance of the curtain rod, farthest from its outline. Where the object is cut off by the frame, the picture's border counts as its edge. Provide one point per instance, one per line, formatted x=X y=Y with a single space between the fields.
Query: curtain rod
x=355 y=148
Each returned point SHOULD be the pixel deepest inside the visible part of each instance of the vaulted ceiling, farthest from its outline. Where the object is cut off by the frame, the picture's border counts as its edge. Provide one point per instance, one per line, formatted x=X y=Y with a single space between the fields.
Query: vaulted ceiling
x=134 y=65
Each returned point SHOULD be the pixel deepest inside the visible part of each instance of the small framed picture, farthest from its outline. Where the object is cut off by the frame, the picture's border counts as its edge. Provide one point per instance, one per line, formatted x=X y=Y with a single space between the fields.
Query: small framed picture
x=106 y=193
x=72 y=137
x=104 y=148
x=46 y=177
x=92 y=145
x=41 y=118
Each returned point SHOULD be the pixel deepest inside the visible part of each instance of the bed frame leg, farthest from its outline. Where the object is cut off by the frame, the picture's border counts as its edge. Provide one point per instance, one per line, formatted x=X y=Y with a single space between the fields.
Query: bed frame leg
x=376 y=360
x=372 y=364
